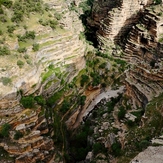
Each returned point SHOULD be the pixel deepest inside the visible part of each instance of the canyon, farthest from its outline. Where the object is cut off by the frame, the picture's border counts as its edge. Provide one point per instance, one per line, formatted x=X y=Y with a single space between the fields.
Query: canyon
x=115 y=89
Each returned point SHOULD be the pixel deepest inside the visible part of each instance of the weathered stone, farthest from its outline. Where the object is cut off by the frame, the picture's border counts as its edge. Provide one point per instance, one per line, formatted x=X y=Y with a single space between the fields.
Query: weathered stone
x=89 y=156
x=149 y=155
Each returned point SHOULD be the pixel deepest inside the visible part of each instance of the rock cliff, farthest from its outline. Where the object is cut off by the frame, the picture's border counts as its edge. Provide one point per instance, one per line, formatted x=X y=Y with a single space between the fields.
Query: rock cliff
x=59 y=59
x=112 y=17
x=136 y=28
x=60 y=47
x=144 y=51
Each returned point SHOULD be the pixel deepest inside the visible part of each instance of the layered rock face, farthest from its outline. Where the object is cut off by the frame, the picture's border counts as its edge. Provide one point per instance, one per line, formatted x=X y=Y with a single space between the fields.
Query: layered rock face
x=32 y=145
x=60 y=47
x=59 y=58
x=137 y=29
x=143 y=50
x=112 y=17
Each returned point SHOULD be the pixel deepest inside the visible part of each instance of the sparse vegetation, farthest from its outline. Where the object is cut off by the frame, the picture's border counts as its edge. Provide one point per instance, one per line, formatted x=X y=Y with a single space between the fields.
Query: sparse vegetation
x=28 y=35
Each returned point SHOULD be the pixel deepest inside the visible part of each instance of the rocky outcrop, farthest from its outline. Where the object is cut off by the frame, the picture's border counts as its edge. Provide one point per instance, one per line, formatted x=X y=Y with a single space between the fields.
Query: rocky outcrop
x=150 y=155
x=32 y=145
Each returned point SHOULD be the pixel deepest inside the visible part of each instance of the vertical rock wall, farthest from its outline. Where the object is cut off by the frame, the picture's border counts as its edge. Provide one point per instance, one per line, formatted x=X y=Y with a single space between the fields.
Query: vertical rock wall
x=113 y=16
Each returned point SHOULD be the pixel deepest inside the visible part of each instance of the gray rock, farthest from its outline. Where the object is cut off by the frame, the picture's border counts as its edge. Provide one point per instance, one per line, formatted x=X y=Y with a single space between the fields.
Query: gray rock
x=105 y=115
x=89 y=156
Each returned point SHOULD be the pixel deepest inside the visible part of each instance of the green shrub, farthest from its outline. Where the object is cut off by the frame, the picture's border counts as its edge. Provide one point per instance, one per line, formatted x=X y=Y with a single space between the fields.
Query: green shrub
x=157 y=2
x=22 y=50
x=96 y=79
x=53 y=24
x=1 y=10
x=17 y=16
x=82 y=100
x=27 y=101
x=65 y=107
x=6 y=3
x=110 y=105
x=143 y=144
x=29 y=61
x=28 y=35
x=35 y=47
x=97 y=148
x=11 y=28
x=121 y=113
x=44 y=23
x=102 y=65
x=4 y=132
x=130 y=123
x=84 y=79
x=18 y=135
x=58 y=16
x=20 y=63
x=5 y=80
x=152 y=63
x=40 y=100
x=4 y=51
x=26 y=56
x=116 y=148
